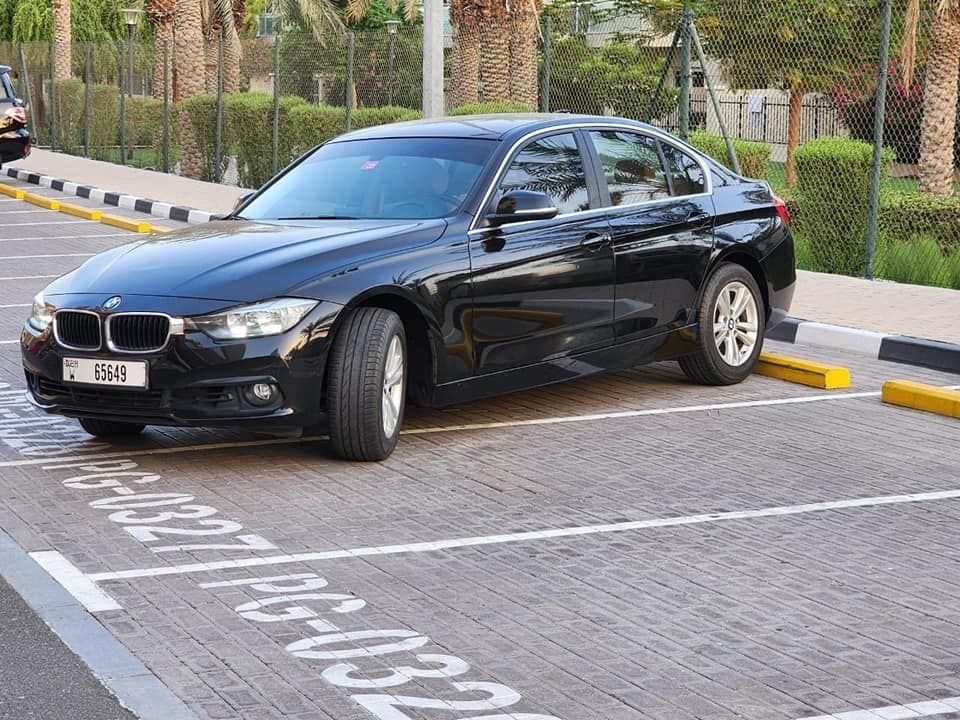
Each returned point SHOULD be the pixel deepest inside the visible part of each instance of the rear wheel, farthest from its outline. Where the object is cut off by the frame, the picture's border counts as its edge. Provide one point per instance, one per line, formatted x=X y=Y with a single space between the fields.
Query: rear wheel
x=109 y=429
x=731 y=328
x=367 y=384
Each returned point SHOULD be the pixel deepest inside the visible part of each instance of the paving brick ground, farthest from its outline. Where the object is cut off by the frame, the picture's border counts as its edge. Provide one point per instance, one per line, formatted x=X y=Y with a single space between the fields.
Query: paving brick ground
x=779 y=617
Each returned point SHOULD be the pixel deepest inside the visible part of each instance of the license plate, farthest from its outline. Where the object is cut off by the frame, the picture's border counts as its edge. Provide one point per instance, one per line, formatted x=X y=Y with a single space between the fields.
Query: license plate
x=118 y=373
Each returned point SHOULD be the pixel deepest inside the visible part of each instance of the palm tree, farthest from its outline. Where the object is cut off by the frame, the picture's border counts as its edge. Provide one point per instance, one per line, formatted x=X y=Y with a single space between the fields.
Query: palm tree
x=161 y=13
x=467 y=33
x=188 y=78
x=62 y=38
x=940 y=101
x=220 y=17
x=524 y=32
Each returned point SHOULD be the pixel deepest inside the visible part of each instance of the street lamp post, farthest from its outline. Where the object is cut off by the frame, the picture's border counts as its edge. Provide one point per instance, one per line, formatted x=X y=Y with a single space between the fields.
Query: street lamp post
x=130 y=17
x=392 y=32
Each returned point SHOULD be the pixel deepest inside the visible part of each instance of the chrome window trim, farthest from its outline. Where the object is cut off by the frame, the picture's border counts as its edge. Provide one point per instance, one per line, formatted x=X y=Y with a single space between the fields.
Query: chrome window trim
x=175 y=327
x=61 y=343
x=587 y=126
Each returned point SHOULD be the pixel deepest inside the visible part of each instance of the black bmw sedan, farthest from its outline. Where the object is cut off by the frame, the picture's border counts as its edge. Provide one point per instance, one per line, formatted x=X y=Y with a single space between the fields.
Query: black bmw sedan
x=431 y=262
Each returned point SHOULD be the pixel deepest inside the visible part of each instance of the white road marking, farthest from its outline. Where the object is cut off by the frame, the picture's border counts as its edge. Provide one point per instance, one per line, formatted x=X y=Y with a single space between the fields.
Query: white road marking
x=40 y=257
x=458 y=428
x=29 y=277
x=67 y=237
x=52 y=222
x=76 y=582
x=21 y=305
x=434 y=545
x=9 y=342
x=923 y=708
x=250 y=581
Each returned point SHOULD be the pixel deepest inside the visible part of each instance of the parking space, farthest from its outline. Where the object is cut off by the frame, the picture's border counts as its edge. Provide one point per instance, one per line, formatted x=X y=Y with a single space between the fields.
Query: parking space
x=618 y=547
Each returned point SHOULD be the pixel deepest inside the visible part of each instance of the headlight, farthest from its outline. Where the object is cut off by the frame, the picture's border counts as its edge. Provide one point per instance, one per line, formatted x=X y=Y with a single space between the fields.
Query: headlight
x=250 y=321
x=41 y=315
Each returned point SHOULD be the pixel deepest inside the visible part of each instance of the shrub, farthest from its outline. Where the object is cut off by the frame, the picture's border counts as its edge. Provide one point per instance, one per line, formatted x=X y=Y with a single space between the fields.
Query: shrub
x=919 y=262
x=912 y=216
x=754 y=157
x=202 y=115
x=69 y=107
x=833 y=184
x=248 y=123
x=491 y=108
x=315 y=124
x=104 y=120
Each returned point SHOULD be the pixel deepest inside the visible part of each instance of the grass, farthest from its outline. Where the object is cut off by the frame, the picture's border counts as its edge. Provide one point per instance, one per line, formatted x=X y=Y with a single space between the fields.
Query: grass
x=777 y=177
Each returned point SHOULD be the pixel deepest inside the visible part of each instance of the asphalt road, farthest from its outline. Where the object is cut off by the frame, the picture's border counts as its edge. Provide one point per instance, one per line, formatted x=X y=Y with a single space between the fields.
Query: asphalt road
x=623 y=547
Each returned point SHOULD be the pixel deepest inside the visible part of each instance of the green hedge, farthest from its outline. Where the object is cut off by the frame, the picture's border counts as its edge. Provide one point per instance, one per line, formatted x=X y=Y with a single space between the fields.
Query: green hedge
x=248 y=134
x=913 y=216
x=832 y=190
x=754 y=156
x=491 y=108
x=315 y=124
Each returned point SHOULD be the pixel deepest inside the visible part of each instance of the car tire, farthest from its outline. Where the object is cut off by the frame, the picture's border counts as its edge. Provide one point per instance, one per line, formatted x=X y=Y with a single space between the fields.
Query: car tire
x=367 y=384
x=110 y=429
x=728 y=341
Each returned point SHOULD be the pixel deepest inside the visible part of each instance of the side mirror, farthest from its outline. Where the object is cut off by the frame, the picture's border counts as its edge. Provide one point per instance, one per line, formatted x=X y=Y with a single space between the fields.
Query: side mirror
x=520 y=205
x=242 y=199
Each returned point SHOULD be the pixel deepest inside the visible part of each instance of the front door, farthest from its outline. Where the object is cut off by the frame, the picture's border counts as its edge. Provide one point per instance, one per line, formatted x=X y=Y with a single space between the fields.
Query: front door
x=543 y=290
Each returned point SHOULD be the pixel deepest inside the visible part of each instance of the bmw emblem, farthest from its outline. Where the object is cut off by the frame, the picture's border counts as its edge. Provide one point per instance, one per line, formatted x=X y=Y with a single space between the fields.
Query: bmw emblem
x=112 y=303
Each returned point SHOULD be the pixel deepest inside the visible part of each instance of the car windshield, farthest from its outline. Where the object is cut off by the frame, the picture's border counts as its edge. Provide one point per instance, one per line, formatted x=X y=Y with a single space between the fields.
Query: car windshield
x=377 y=179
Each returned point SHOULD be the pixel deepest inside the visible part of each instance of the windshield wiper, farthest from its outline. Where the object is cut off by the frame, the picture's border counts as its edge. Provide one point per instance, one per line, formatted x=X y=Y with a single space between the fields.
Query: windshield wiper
x=319 y=217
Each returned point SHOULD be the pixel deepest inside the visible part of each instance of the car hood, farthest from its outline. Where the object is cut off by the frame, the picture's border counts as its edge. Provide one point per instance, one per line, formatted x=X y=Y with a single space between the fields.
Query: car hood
x=239 y=261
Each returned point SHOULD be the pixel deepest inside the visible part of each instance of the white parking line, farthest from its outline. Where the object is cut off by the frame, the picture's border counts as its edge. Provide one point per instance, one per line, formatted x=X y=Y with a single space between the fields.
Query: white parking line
x=29 y=277
x=74 y=581
x=434 y=545
x=68 y=237
x=9 y=342
x=453 y=428
x=20 y=305
x=52 y=222
x=39 y=257
x=924 y=708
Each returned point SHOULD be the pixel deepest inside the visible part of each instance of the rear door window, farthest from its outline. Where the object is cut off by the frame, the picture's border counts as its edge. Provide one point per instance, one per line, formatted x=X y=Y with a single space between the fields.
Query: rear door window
x=685 y=172
x=632 y=167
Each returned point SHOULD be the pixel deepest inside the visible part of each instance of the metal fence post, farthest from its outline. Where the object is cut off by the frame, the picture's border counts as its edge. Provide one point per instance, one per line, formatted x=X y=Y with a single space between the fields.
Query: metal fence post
x=166 y=107
x=547 y=60
x=275 y=142
x=218 y=142
x=26 y=79
x=683 y=119
x=873 y=208
x=349 y=92
x=53 y=96
x=87 y=49
x=123 y=112
x=694 y=37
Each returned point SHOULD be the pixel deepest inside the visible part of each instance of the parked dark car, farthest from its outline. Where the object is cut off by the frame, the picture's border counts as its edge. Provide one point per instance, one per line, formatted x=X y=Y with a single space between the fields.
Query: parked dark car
x=14 y=138
x=434 y=262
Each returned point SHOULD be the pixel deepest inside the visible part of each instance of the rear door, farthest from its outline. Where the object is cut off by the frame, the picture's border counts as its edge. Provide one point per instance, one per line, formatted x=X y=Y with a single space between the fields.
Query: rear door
x=661 y=218
x=543 y=290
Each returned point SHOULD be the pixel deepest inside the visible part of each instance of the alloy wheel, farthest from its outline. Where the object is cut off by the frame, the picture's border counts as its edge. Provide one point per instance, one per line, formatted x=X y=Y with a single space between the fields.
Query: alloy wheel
x=392 y=386
x=735 y=323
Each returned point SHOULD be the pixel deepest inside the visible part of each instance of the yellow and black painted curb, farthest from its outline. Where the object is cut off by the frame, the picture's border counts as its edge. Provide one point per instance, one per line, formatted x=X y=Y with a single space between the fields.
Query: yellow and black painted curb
x=919 y=396
x=137 y=226
x=804 y=372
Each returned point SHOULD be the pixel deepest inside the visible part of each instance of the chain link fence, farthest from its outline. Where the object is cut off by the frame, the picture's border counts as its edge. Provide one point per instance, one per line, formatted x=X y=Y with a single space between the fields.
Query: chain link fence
x=794 y=86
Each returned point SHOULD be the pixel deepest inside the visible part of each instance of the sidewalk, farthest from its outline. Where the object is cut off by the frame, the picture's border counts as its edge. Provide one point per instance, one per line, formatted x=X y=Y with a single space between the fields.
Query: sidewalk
x=879 y=306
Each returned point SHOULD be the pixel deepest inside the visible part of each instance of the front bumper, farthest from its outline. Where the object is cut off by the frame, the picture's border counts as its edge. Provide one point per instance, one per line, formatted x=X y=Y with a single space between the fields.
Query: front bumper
x=194 y=380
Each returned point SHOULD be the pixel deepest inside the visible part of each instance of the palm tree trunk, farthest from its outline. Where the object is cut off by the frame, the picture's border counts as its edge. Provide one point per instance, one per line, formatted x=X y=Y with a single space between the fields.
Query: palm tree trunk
x=466 y=54
x=190 y=79
x=940 y=104
x=496 y=60
x=162 y=38
x=524 y=31
x=62 y=38
x=232 y=56
x=793 y=130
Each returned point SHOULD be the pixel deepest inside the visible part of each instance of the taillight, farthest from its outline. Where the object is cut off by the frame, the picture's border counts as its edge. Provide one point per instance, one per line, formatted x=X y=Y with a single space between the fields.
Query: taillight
x=782 y=211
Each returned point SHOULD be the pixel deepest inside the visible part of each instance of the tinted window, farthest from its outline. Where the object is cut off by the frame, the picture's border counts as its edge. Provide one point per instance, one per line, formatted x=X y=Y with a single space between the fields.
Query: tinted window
x=684 y=171
x=413 y=178
x=551 y=165
x=632 y=167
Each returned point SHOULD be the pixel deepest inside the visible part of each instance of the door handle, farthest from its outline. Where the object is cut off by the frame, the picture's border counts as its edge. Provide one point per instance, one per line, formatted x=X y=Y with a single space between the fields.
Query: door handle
x=595 y=241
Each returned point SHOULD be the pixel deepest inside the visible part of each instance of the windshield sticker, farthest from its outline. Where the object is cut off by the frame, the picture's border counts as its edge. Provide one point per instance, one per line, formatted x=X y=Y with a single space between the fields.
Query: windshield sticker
x=369 y=164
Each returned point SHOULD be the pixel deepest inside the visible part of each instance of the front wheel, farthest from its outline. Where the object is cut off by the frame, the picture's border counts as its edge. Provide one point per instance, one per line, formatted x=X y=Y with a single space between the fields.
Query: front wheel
x=109 y=429
x=367 y=384
x=731 y=328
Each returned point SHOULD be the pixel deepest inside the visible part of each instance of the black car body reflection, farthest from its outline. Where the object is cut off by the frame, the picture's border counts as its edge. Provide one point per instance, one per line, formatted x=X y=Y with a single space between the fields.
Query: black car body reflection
x=607 y=272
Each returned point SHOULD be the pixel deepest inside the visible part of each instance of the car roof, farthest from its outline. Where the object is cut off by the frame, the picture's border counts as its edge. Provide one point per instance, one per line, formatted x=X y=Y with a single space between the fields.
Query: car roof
x=4 y=69
x=500 y=126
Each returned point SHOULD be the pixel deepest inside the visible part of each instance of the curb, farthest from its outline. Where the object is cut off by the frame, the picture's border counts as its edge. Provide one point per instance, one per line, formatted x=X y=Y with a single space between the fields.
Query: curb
x=129 y=202
x=137 y=689
x=880 y=346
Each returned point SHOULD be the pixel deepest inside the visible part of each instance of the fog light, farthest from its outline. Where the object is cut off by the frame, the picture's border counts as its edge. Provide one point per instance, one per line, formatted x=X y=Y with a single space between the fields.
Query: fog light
x=261 y=393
